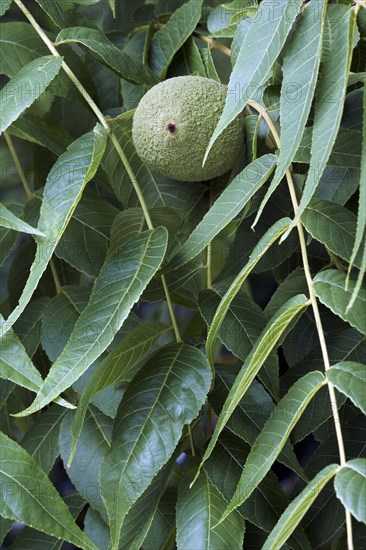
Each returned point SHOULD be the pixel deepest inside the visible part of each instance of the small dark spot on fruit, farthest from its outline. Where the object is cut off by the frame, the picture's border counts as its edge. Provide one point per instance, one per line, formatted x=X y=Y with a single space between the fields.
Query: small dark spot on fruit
x=170 y=126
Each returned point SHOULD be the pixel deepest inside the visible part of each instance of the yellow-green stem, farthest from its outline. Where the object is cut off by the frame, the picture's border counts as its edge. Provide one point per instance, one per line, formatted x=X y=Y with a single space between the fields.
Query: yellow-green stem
x=314 y=304
x=213 y=43
x=112 y=137
x=18 y=165
x=55 y=277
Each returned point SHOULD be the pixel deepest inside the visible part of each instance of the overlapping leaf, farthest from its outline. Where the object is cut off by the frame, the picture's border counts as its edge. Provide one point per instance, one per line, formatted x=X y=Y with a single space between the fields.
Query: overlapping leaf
x=119 y=61
x=262 y=246
x=346 y=151
x=25 y=87
x=64 y=186
x=167 y=394
x=267 y=502
x=11 y=221
x=333 y=225
x=231 y=201
x=300 y=70
x=350 y=378
x=30 y=539
x=120 y=365
x=328 y=110
x=4 y=5
x=247 y=420
x=259 y=50
x=33 y=500
x=94 y=444
x=274 y=435
x=119 y=285
x=28 y=326
x=260 y=351
x=167 y=41
x=84 y=243
x=298 y=508
x=330 y=288
x=37 y=131
x=361 y=218
x=41 y=441
x=350 y=486
x=16 y=365
x=240 y=327
x=198 y=510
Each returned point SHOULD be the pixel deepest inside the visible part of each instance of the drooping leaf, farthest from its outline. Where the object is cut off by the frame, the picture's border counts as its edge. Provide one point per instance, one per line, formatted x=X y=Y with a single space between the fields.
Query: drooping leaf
x=60 y=316
x=298 y=508
x=198 y=509
x=274 y=435
x=267 y=502
x=141 y=515
x=9 y=220
x=61 y=13
x=37 y=131
x=8 y=237
x=248 y=419
x=16 y=365
x=262 y=246
x=4 y=6
x=119 y=61
x=231 y=201
x=346 y=151
x=350 y=486
x=241 y=326
x=333 y=225
x=262 y=43
x=162 y=529
x=64 y=186
x=119 y=366
x=361 y=218
x=260 y=351
x=28 y=326
x=96 y=529
x=167 y=394
x=94 y=444
x=330 y=288
x=84 y=243
x=171 y=37
x=119 y=285
x=328 y=113
x=300 y=71
x=41 y=441
x=325 y=517
x=33 y=500
x=350 y=378
x=345 y=345
x=25 y=87
x=30 y=539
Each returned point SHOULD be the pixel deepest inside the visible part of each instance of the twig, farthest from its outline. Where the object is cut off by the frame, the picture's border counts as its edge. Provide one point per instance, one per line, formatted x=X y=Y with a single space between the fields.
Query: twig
x=213 y=43
x=18 y=165
x=112 y=137
x=55 y=277
x=314 y=304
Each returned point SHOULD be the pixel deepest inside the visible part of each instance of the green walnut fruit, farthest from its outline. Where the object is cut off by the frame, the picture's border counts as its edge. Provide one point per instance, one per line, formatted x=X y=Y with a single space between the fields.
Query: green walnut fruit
x=173 y=124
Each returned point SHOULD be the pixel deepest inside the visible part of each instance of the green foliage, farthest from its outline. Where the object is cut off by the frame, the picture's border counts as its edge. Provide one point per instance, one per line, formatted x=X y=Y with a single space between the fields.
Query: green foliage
x=192 y=353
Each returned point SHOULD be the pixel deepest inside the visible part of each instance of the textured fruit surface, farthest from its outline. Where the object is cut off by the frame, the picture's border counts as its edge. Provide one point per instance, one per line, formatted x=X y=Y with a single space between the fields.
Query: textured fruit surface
x=174 y=122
